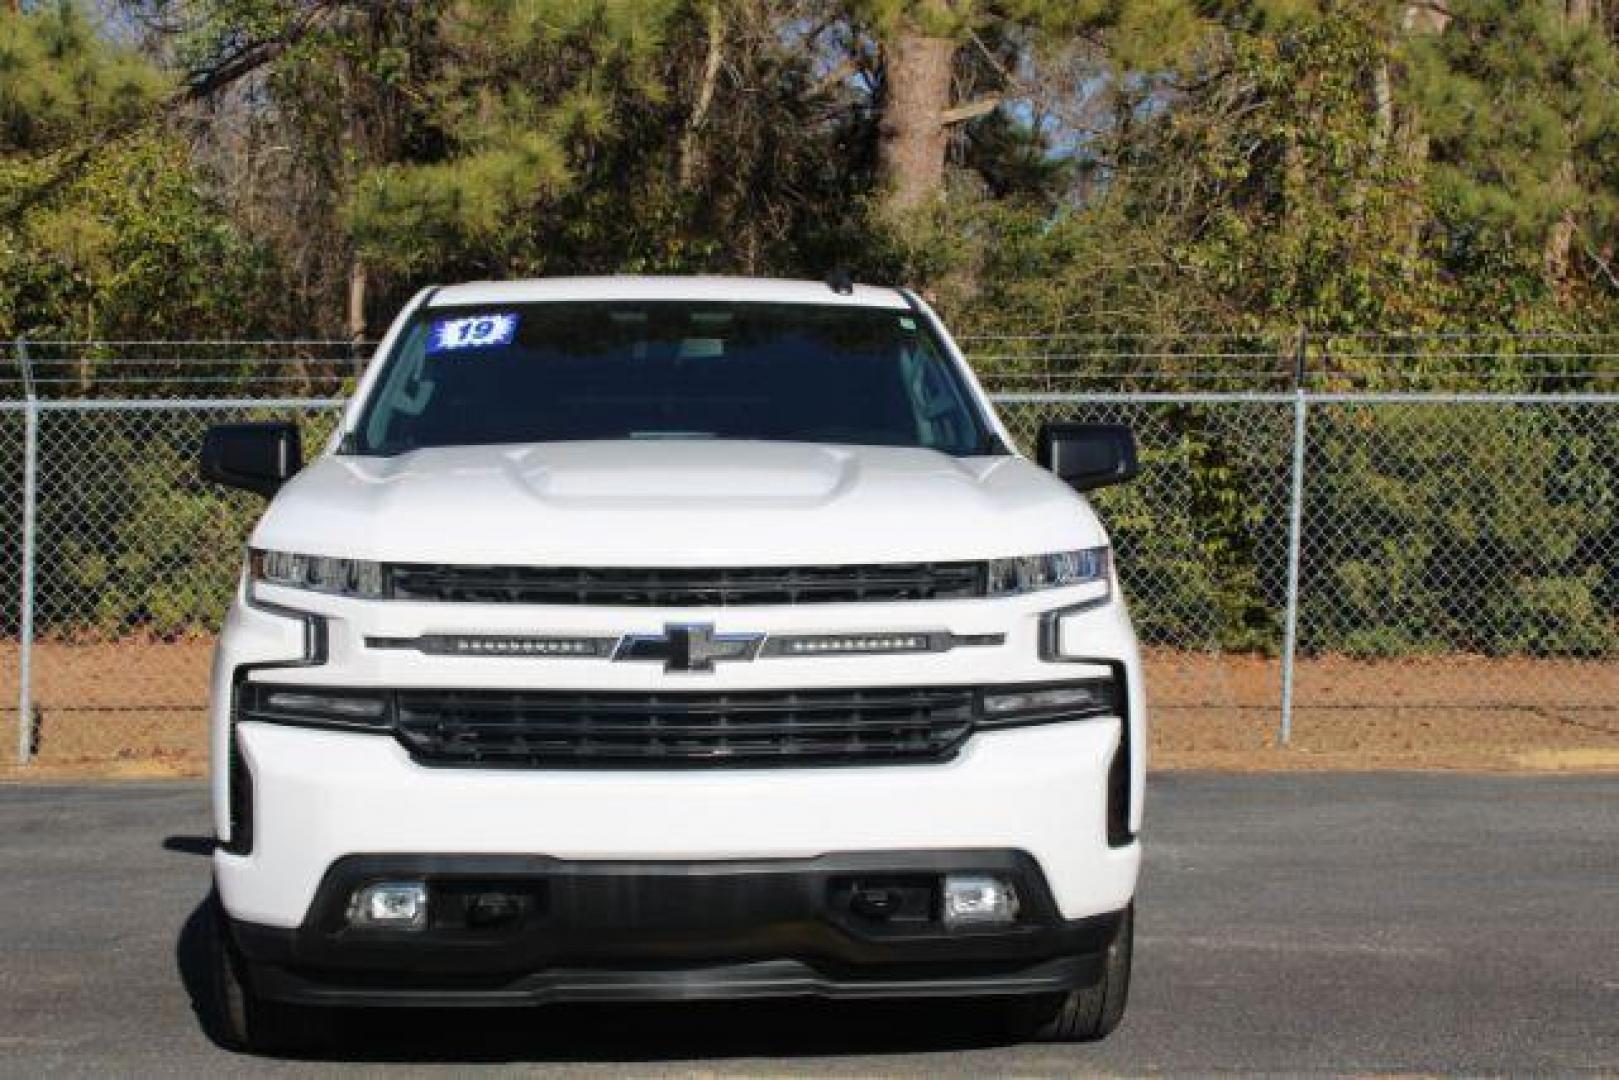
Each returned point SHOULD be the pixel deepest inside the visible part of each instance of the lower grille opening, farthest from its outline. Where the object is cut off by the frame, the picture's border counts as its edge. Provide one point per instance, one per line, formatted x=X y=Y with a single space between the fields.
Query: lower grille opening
x=600 y=729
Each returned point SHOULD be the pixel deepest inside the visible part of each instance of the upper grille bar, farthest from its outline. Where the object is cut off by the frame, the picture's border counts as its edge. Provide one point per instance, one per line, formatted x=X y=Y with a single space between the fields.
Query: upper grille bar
x=689 y=587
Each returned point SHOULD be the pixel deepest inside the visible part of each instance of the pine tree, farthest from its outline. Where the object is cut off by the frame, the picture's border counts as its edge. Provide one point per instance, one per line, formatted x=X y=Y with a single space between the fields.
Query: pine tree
x=925 y=44
x=61 y=84
x=104 y=229
x=1523 y=128
x=522 y=93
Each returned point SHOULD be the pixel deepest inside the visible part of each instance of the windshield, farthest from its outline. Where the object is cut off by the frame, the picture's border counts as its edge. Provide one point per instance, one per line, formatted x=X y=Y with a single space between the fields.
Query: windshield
x=519 y=373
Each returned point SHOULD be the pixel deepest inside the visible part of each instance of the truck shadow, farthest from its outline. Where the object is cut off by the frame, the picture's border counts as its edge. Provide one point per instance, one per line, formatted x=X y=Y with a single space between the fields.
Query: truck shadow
x=695 y=1031
x=186 y=844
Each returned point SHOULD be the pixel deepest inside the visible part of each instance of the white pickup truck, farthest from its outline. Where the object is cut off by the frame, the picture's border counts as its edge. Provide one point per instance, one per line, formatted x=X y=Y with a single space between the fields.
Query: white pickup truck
x=673 y=638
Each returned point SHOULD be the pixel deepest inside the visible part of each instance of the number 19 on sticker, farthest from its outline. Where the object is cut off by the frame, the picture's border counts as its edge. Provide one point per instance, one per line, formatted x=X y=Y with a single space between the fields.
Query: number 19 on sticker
x=472 y=332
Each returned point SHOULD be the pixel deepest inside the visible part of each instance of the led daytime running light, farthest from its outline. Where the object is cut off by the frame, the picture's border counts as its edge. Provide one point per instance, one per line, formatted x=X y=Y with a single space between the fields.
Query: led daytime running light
x=521 y=646
x=855 y=643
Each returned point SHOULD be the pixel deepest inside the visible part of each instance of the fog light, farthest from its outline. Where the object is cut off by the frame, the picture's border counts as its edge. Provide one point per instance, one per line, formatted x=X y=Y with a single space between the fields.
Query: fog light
x=401 y=905
x=978 y=900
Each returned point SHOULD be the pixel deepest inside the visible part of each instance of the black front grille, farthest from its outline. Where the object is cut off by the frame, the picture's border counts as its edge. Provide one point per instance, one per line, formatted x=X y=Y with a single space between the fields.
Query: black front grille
x=597 y=729
x=700 y=587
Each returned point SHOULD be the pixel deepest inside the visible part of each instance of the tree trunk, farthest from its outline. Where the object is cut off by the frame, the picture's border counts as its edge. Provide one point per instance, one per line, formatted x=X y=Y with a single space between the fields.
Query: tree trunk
x=912 y=134
x=1410 y=142
x=1416 y=20
x=1577 y=15
x=1382 y=110
x=85 y=366
x=690 y=166
x=356 y=320
x=1560 y=240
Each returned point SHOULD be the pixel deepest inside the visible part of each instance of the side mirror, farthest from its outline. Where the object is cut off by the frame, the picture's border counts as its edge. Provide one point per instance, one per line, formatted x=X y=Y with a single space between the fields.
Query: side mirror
x=254 y=457
x=1089 y=456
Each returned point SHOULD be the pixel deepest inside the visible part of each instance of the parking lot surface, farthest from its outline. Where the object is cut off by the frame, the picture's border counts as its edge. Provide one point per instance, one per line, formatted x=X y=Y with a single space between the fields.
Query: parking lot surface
x=1388 y=923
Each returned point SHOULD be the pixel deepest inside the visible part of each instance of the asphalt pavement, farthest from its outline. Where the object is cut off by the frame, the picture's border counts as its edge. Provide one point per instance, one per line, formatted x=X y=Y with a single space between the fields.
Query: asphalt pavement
x=1320 y=923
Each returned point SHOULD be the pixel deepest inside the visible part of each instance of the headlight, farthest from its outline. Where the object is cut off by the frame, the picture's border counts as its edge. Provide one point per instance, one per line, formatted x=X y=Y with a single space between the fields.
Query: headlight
x=320 y=573
x=1033 y=573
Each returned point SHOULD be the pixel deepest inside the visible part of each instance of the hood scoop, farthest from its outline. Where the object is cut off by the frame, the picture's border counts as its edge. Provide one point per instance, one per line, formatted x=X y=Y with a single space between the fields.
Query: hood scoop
x=666 y=470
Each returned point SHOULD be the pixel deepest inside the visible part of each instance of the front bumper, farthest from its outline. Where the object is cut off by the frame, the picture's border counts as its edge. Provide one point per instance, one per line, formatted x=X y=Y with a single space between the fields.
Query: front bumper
x=674 y=930
x=320 y=796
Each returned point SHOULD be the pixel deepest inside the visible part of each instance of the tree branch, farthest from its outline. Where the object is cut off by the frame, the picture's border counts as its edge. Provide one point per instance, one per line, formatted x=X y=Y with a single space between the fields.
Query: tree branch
x=1601 y=263
x=972 y=110
x=250 y=57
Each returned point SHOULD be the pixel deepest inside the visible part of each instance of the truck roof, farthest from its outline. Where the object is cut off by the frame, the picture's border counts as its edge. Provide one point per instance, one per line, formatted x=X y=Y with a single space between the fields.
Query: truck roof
x=633 y=287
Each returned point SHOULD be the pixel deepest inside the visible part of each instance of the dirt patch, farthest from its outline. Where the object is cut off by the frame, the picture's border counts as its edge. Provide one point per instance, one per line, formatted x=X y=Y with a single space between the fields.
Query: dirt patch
x=136 y=709
x=1454 y=712
x=1578 y=759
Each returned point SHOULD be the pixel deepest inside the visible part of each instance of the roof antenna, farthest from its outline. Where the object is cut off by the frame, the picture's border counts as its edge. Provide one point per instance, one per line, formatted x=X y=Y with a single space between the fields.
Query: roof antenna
x=840 y=282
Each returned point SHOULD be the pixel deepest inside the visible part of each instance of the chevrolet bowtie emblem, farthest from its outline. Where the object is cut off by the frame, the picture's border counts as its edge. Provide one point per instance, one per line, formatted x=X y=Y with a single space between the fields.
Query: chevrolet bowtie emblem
x=689 y=647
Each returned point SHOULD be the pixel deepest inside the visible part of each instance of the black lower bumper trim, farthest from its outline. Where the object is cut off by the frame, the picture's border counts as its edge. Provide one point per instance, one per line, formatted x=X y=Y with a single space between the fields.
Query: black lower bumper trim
x=731 y=982
x=596 y=931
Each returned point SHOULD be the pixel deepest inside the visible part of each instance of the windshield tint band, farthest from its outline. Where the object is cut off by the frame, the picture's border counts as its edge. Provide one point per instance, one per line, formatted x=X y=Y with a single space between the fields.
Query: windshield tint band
x=566 y=371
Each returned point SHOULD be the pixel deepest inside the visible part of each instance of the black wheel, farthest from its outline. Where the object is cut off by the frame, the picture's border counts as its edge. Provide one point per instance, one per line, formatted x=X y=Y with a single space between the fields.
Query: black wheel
x=1089 y=1013
x=241 y=1020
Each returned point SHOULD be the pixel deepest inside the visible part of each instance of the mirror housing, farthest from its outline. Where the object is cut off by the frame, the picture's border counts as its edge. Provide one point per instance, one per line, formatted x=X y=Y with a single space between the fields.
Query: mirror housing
x=257 y=457
x=1089 y=456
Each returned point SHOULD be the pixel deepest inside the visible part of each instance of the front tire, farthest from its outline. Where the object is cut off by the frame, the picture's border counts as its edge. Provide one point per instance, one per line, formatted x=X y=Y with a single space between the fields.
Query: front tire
x=240 y=1019
x=1089 y=1013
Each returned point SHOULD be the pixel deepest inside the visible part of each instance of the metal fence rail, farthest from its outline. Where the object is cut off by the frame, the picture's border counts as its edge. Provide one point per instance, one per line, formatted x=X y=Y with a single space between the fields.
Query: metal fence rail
x=1293 y=556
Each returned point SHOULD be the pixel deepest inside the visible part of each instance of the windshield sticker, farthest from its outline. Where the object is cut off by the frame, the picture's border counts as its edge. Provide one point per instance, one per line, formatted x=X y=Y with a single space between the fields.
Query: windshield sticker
x=906 y=323
x=472 y=332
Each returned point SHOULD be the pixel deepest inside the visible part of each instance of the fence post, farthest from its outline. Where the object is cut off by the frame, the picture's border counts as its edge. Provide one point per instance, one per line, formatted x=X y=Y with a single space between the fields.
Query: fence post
x=1295 y=528
x=25 y=633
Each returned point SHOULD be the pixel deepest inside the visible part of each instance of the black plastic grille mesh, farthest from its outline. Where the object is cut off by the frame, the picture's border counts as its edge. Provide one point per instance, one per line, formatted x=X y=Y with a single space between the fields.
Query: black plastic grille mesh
x=560 y=728
x=689 y=587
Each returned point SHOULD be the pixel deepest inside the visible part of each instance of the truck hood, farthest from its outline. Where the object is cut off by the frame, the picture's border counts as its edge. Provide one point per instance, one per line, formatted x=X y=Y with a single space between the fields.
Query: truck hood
x=675 y=503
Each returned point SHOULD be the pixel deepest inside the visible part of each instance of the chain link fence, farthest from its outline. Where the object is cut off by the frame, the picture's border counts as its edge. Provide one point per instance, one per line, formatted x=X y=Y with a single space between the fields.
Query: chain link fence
x=1448 y=565
x=1320 y=565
